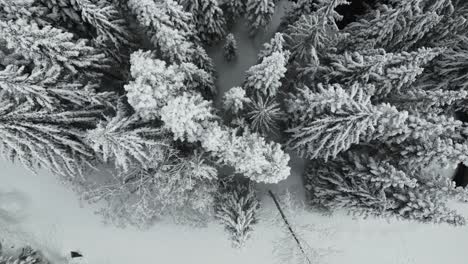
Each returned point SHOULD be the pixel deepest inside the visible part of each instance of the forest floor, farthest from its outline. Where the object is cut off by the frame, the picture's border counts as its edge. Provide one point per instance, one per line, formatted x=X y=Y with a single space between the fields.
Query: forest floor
x=49 y=215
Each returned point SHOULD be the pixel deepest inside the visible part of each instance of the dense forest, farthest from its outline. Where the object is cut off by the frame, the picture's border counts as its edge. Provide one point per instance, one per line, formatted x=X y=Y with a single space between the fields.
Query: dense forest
x=116 y=98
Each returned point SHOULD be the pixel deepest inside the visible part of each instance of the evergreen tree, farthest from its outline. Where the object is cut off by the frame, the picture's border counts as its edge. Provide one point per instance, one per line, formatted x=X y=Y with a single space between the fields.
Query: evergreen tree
x=107 y=21
x=265 y=77
x=333 y=119
x=249 y=154
x=259 y=14
x=235 y=100
x=167 y=25
x=395 y=27
x=159 y=92
x=201 y=59
x=230 y=47
x=175 y=187
x=314 y=35
x=264 y=115
x=48 y=46
x=298 y=8
x=128 y=142
x=237 y=210
x=233 y=10
x=368 y=186
x=64 y=13
x=155 y=83
x=209 y=19
x=100 y=20
x=389 y=73
x=187 y=116
x=39 y=139
x=276 y=44
x=12 y=10
x=385 y=65
x=46 y=88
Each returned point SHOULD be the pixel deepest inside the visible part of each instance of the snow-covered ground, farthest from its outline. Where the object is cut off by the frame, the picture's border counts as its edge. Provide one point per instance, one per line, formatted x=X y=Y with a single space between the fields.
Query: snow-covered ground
x=48 y=215
x=52 y=218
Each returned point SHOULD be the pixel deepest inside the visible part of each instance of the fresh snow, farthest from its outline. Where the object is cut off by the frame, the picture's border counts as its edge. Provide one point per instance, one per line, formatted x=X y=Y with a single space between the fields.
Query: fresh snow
x=52 y=218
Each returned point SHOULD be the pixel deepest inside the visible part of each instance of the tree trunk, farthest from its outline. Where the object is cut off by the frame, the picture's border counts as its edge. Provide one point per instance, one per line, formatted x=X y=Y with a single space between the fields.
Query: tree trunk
x=288 y=225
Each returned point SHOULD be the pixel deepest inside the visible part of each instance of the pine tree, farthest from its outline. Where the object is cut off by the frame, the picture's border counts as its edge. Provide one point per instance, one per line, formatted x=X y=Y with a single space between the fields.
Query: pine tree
x=230 y=47
x=159 y=92
x=187 y=116
x=175 y=187
x=167 y=25
x=299 y=8
x=233 y=10
x=259 y=14
x=125 y=140
x=12 y=10
x=276 y=44
x=51 y=46
x=333 y=119
x=201 y=59
x=395 y=27
x=39 y=139
x=390 y=67
x=47 y=88
x=446 y=71
x=312 y=36
x=235 y=100
x=156 y=82
x=65 y=13
x=264 y=115
x=265 y=77
x=237 y=210
x=260 y=161
x=368 y=186
x=389 y=73
x=209 y=19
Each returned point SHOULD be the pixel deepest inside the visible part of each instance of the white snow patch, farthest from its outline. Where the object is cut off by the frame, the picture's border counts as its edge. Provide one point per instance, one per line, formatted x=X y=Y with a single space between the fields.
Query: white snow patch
x=55 y=220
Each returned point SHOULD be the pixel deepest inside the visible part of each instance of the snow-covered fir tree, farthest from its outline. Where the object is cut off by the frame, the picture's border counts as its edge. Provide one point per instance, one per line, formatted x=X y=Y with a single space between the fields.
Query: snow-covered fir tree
x=127 y=141
x=333 y=119
x=266 y=76
x=160 y=92
x=46 y=88
x=237 y=210
x=298 y=8
x=368 y=186
x=167 y=25
x=230 y=47
x=47 y=45
x=264 y=115
x=156 y=82
x=235 y=100
x=233 y=10
x=259 y=14
x=181 y=188
x=276 y=44
x=344 y=106
x=370 y=104
x=41 y=139
x=209 y=19
x=382 y=27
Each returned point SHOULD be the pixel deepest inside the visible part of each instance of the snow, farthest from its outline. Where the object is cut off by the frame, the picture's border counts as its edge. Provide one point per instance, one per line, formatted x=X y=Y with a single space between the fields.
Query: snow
x=49 y=215
x=231 y=74
x=54 y=219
